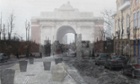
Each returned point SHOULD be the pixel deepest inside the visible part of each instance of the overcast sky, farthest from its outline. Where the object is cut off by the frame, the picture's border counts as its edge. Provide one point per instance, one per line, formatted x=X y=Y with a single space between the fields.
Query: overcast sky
x=25 y=9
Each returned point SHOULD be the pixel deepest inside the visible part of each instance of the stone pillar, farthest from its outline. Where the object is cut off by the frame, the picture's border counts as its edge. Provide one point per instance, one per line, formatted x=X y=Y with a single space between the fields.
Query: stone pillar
x=78 y=46
x=91 y=49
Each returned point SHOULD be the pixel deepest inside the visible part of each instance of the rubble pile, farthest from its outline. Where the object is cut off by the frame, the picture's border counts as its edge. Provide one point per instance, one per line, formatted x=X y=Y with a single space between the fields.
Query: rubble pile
x=116 y=78
x=87 y=68
x=102 y=76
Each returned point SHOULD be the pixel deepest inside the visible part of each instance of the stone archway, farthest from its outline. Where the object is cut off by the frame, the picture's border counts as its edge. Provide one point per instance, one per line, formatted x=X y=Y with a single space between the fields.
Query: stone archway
x=63 y=30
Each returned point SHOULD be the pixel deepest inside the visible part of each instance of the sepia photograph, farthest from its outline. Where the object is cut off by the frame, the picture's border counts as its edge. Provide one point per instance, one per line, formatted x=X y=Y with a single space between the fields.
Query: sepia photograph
x=69 y=41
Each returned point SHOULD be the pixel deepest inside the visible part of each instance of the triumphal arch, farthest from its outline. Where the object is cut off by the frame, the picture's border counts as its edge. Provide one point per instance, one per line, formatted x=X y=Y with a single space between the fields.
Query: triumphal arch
x=65 y=19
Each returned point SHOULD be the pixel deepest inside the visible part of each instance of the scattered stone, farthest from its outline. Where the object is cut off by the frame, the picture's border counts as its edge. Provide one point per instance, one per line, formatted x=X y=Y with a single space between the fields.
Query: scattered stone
x=7 y=76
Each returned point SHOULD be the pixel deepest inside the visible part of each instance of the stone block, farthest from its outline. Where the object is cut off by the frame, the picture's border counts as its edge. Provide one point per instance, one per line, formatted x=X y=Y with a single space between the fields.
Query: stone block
x=47 y=65
x=58 y=72
x=31 y=60
x=23 y=66
x=7 y=76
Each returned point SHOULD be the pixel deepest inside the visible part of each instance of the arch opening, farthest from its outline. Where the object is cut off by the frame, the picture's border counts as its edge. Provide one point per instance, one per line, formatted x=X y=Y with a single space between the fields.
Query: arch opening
x=65 y=35
x=68 y=38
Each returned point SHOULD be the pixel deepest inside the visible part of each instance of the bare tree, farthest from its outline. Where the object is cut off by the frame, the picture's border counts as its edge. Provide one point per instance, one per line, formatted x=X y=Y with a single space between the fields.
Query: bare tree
x=99 y=30
x=27 y=27
x=108 y=20
x=11 y=25
x=102 y=33
x=0 y=26
x=4 y=32
x=28 y=31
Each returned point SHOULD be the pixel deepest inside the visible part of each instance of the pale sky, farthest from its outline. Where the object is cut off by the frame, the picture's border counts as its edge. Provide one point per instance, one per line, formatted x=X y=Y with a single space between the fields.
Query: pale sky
x=25 y=9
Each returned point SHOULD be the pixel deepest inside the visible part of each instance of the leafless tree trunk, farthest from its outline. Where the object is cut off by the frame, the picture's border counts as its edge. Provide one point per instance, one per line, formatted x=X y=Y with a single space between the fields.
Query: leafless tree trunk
x=122 y=31
x=102 y=32
x=0 y=26
x=4 y=33
x=11 y=25
x=27 y=27
x=28 y=31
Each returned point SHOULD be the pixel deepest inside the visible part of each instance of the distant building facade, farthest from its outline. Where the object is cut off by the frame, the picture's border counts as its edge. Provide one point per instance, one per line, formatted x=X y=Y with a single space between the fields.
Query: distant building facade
x=66 y=19
x=127 y=28
x=122 y=25
x=135 y=10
